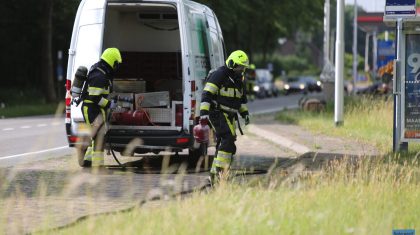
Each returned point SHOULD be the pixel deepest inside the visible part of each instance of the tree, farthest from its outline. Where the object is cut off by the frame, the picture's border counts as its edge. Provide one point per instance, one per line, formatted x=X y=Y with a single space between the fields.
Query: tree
x=47 y=61
x=32 y=32
x=256 y=25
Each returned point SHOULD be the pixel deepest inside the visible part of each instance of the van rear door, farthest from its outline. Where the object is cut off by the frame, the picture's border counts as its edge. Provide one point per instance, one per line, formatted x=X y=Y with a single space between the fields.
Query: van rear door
x=199 y=52
x=88 y=41
x=214 y=40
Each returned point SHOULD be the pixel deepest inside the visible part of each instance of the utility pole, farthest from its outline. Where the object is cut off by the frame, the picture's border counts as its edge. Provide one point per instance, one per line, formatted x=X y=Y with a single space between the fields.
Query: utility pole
x=375 y=53
x=326 y=31
x=339 y=65
x=355 y=59
x=367 y=52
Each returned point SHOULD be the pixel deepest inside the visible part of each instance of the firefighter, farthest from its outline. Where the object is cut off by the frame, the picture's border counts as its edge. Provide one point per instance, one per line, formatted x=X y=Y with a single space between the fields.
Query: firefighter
x=96 y=103
x=250 y=82
x=222 y=98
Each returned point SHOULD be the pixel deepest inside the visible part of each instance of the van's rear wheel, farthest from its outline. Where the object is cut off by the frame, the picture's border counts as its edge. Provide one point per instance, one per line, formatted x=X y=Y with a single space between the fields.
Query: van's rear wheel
x=81 y=157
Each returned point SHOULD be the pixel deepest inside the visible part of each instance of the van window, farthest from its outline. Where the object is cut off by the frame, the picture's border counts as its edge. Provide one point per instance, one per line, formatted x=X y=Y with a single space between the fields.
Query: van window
x=88 y=45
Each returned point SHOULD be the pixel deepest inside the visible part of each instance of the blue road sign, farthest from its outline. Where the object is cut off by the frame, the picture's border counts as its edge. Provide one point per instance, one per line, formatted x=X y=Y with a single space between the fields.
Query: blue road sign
x=400 y=8
x=386 y=52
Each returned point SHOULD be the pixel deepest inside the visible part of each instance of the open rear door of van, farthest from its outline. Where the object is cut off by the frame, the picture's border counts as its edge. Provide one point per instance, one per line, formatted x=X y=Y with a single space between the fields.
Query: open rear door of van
x=87 y=39
x=214 y=39
x=199 y=58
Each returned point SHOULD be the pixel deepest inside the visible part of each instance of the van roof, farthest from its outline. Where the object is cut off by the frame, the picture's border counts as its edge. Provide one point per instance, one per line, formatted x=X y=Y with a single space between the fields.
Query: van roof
x=142 y=1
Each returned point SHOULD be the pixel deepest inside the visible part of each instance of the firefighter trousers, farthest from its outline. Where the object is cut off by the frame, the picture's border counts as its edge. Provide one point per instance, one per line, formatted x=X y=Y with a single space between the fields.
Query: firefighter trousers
x=224 y=127
x=95 y=117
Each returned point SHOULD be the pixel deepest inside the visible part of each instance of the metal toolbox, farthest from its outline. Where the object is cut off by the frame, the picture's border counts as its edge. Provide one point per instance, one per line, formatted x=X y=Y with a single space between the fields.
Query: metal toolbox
x=129 y=85
x=152 y=99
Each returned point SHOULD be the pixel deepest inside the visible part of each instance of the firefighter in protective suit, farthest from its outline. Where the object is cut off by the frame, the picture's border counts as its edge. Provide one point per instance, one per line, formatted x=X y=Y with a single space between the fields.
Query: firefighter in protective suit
x=96 y=103
x=222 y=99
x=250 y=78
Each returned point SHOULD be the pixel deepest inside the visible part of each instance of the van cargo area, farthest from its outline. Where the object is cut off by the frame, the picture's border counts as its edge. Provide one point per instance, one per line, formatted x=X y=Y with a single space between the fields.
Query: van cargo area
x=148 y=87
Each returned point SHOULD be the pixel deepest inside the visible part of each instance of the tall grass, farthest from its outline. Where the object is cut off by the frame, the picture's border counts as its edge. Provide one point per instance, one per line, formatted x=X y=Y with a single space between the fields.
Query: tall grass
x=367 y=119
x=350 y=196
x=363 y=197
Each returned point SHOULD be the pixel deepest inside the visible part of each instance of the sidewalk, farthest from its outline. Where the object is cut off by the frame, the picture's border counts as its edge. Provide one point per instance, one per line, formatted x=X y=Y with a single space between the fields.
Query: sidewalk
x=297 y=139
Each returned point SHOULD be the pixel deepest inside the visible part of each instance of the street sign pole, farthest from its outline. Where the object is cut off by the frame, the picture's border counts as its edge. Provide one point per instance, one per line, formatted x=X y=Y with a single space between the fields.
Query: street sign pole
x=339 y=65
x=399 y=10
x=355 y=59
x=397 y=91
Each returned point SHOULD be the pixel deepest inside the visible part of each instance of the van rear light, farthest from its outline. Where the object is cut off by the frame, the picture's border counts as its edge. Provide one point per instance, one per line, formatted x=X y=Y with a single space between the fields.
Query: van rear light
x=68 y=84
x=182 y=140
x=73 y=139
x=68 y=101
x=193 y=87
x=179 y=114
x=193 y=103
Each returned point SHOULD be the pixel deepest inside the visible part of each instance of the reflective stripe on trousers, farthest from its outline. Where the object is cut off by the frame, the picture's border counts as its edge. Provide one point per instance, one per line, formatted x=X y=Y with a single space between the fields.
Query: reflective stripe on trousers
x=222 y=160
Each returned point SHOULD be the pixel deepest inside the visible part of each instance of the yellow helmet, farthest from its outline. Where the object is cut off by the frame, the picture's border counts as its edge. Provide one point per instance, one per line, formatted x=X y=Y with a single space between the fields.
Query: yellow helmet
x=112 y=55
x=237 y=58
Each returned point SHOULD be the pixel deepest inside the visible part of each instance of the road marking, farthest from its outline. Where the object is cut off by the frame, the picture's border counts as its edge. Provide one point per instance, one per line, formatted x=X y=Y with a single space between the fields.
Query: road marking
x=41 y=125
x=33 y=153
x=25 y=127
x=8 y=129
x=56 y=123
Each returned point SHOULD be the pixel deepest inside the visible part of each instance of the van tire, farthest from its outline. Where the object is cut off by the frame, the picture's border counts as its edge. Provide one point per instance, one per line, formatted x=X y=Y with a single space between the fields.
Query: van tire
x=81 y=158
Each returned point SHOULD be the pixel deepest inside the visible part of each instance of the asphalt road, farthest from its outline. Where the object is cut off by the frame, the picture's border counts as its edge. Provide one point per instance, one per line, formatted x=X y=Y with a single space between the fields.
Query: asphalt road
x=33 y=138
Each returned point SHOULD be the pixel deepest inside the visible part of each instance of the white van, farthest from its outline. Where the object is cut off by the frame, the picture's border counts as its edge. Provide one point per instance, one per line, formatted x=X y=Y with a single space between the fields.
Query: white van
x=167 y=48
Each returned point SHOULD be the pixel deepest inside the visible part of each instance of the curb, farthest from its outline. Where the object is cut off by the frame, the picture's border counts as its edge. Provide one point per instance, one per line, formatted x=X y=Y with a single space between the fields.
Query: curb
x=278 y=139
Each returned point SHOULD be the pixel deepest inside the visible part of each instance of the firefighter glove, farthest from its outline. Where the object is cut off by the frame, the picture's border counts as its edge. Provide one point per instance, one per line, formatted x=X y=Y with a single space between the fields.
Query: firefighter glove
x=113 y=105
x=204 y=117
x=246 y=119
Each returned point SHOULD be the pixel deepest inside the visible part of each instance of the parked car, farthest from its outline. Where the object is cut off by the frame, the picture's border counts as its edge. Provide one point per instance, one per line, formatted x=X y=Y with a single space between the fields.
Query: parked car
x=303 y=84
x=264 y=85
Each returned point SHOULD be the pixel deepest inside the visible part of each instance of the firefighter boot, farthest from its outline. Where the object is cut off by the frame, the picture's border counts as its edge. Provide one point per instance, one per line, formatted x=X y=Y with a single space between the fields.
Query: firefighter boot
x=88 y=154
x=98 y=159
x=215 y=175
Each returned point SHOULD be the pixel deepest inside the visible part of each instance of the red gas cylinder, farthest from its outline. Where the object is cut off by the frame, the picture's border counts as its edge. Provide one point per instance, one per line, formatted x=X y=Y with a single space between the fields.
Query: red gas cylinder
x=131 y=118
x=201 y=131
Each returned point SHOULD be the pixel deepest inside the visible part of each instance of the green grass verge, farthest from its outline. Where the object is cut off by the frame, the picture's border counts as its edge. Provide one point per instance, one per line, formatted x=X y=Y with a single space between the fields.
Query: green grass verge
x=366 y=119
x=28 y=110
x=19 y=102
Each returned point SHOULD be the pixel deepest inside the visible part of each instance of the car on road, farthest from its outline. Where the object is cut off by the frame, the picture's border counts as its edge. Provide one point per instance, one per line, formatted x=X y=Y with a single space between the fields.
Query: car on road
x=264 y=84
x=303 y=84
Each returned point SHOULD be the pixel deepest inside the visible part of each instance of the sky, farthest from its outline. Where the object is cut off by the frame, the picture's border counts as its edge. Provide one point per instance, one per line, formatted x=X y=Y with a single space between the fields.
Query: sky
x=369 y=5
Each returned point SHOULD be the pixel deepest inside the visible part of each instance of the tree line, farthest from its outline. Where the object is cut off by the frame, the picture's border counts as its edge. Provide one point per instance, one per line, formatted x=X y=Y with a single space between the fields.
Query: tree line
x=32 y=31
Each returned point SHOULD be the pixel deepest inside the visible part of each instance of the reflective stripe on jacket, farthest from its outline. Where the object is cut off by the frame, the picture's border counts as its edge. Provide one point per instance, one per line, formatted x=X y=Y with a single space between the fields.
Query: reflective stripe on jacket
x=224 y=91
x=99 y=85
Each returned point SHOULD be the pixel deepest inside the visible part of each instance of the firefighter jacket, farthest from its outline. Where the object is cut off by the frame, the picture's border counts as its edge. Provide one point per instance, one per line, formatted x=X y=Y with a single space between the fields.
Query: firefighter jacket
x=99 y=83
x=224 y=91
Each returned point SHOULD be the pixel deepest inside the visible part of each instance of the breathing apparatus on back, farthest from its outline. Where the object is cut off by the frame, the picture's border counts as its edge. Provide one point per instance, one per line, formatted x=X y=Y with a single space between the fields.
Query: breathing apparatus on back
x=78 y=85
